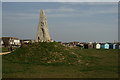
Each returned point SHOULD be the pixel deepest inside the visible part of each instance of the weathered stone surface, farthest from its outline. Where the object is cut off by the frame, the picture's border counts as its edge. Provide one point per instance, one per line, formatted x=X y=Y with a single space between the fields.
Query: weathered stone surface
x=42 y=31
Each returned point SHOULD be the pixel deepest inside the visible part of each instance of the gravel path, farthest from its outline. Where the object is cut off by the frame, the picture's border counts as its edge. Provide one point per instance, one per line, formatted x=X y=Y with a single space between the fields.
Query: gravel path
x=4 y=53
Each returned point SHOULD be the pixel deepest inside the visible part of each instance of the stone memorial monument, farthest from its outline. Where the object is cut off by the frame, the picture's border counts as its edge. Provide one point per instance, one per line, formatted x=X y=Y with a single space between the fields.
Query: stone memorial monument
x=42 y=30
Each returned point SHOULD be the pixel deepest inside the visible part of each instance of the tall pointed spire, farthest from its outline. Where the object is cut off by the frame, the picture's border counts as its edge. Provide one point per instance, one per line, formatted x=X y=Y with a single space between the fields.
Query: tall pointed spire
x=42 y=31
x=42 y=13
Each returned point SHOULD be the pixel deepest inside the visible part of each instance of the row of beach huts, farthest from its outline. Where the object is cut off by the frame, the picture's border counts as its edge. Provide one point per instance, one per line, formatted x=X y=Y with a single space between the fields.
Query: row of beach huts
x=12 y=41
x=93 y=45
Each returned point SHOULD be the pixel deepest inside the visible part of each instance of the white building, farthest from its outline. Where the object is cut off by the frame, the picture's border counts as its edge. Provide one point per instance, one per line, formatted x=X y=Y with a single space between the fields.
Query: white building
x=97 y=46
x=11 y=41
x=1 y=42
x=14 y=41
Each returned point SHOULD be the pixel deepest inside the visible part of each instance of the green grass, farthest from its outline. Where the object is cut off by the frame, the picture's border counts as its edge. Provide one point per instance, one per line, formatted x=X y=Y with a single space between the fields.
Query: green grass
x=4 y=49
x=45 y=60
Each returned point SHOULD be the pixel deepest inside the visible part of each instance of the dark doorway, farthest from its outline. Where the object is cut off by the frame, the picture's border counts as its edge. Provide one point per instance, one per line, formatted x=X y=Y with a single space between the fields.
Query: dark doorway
x=43 y=32
x=38 y=38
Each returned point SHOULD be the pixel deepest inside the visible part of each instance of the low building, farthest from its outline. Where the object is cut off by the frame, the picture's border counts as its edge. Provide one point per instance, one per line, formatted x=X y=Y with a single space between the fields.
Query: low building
x=86 y=46
x=90 y=45
x=10 y=41
x=71 y=44
x=76 y=43
x=1 y=42
x=65 y=44
x=26 y=41
x=60 y=42
x=82 y=44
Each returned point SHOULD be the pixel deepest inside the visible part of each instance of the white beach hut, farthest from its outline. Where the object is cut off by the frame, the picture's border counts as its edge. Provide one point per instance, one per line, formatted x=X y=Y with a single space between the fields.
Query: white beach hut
x=97 y=46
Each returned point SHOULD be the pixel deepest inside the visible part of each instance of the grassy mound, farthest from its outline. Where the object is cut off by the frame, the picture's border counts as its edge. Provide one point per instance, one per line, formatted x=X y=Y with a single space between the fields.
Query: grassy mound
x=52 y=60
x=48 y=53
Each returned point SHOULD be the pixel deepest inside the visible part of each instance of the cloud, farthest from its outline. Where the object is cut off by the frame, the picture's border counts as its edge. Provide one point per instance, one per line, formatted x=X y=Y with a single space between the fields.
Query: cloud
x=61 y=9
x=108 y=10
x=71 y=12
x=62 y=12
x=66 y=11
x=20 y=16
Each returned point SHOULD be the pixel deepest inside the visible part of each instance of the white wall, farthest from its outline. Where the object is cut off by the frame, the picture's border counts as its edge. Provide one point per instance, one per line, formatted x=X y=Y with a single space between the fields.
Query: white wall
x=17 y=42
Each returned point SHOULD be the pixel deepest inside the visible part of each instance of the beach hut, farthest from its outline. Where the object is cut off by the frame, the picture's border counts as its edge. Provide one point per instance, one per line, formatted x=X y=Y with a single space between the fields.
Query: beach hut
x=94 y=45
x=90 y=45
x=98 y=46
x=119 y=46
x=114 y=46
x=110 y=46
x=86 y=46
x=102 y=46
x=106 y=46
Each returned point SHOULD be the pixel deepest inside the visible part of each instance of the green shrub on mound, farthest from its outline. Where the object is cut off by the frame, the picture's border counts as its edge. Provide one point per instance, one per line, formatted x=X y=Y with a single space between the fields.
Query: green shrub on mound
x=45 y=53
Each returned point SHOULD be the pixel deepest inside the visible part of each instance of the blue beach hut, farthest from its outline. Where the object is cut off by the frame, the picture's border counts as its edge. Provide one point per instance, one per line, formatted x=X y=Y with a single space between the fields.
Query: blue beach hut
x=106 y=46
x=102 y=46
x=110 y=46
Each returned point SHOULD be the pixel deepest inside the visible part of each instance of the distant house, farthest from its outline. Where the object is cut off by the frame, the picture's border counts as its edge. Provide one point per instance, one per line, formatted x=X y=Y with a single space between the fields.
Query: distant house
x=65 y=44
x=82 y=44
x=98 y=46
x=60 y=42
x=10 y=41
x=71 y=44
x=76 y=43
x=106 y=46
x=86 y=46
x=1 y=42
x=27 y=41
x=115 y=41
x=90 y=45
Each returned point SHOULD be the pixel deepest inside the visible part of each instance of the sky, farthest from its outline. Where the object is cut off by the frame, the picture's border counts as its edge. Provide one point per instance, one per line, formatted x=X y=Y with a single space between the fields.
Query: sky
x=67 y=21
